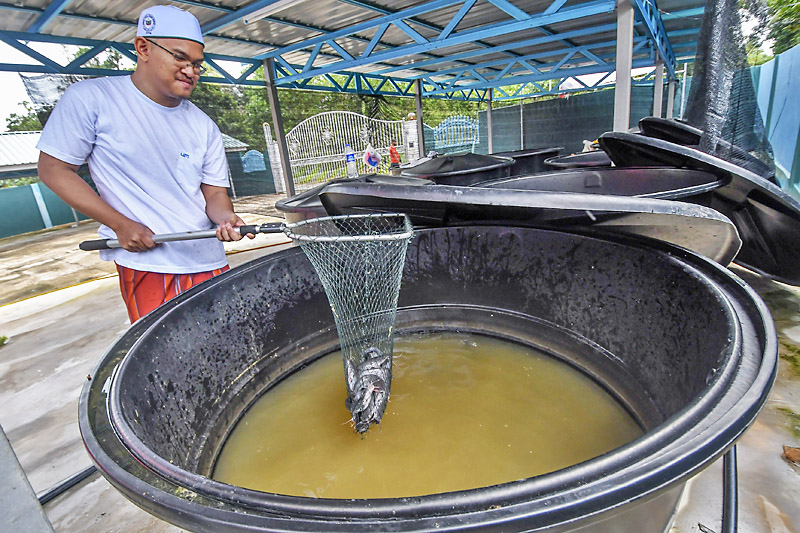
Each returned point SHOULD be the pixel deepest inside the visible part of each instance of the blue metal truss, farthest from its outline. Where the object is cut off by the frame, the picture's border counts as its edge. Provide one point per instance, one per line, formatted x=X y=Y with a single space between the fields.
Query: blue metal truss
x=347 y=82
x=339 y=70
x=651 y=17
x=422 y=45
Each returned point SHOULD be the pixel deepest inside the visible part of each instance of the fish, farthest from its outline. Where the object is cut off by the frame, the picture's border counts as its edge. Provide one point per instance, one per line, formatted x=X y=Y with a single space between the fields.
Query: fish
x=368 y=388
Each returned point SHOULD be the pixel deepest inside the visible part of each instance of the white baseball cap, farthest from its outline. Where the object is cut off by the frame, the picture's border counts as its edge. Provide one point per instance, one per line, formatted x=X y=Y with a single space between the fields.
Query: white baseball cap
x=169 y=22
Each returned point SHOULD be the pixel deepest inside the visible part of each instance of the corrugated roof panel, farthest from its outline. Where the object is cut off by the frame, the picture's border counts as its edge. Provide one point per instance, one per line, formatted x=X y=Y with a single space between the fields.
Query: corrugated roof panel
x=19 y=148
x=233 y=144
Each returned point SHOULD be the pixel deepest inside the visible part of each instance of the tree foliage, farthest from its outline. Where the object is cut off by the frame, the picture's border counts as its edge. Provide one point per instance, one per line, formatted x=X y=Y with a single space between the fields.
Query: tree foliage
x=777 y=21
x=23 y=122
x=784 y=24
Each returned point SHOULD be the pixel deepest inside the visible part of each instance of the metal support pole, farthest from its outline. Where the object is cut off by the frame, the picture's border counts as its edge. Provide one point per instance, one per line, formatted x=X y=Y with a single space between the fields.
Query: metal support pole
x=521 y=129
x=277 y=123
x=622 y=88
x=683 y=91
x=658 y=89
x=420 y=123
x=490 y=132
x=671 y=99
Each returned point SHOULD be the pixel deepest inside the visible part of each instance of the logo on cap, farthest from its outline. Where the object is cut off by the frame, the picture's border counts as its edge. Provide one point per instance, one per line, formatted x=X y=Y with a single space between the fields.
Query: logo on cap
x=149 y=23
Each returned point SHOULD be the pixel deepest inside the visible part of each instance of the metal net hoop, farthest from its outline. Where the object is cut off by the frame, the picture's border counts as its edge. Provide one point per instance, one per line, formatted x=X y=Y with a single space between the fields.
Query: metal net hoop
x=359 y=259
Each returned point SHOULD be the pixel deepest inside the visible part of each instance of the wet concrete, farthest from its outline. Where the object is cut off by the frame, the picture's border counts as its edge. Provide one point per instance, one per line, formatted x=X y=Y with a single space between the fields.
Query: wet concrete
x=55 y=339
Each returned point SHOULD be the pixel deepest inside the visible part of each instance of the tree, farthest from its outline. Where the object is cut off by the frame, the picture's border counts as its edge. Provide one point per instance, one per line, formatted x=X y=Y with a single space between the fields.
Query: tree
x=774 y=20
x=27 y=122
x=784 y=24
x=111 y=61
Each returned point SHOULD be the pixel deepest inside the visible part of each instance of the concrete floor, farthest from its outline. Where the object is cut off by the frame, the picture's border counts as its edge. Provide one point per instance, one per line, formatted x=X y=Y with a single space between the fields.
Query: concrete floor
x=56 y=337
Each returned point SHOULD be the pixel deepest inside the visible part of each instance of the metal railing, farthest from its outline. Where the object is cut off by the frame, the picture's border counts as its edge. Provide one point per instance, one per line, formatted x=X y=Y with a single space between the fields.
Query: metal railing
x=317 y=145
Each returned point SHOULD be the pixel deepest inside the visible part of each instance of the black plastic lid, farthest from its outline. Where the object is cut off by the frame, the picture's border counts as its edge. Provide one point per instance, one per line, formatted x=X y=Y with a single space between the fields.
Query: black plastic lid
x=449 y=165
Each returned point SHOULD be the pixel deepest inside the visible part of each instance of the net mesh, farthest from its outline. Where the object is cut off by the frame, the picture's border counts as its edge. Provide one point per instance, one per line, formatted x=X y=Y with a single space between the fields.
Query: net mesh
x=359 y=259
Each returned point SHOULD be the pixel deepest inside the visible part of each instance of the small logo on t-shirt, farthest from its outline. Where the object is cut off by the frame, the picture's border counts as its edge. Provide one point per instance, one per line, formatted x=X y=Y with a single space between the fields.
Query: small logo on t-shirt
x=149 y=23
x=184 y=155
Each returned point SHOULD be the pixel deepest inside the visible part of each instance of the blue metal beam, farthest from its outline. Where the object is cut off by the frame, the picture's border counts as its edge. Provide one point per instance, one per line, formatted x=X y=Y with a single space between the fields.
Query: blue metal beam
x=655 y=30
x=518 y=44
x=640 y=42
x=527 y=78
x=540 y=91
x=355 y=82
x=204 y=4
x=371 y=43
x=593 y=8
x=585 y=49
x=509 y=8
x=421 y=23
x=235 y=16
x=49 y=14
x=37 y=11
x=686 y=13
x=356 y=28
x=456 y=20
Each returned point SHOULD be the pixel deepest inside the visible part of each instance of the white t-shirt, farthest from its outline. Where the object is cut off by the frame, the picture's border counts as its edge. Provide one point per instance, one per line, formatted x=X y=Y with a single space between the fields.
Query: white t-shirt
x=147 y=162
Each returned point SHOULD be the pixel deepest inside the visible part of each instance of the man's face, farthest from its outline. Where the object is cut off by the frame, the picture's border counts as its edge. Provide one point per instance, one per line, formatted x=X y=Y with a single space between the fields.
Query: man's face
x=174 y=67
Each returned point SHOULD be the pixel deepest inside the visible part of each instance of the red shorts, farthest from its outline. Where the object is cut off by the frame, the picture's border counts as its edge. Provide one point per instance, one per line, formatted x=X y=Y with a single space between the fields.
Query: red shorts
x=144 y=291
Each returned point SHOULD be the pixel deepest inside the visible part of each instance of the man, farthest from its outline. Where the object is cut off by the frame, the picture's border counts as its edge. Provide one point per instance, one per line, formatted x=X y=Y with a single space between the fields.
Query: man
x=394 y=157
x=158 y=163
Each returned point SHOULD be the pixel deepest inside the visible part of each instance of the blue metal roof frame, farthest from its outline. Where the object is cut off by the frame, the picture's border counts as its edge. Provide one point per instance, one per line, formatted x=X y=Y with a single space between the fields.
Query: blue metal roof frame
x=457 y=48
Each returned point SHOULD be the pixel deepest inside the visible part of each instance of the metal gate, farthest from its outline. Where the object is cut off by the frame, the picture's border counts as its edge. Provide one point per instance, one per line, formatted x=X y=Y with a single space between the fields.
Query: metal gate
x=455 y=134
x=317 y=145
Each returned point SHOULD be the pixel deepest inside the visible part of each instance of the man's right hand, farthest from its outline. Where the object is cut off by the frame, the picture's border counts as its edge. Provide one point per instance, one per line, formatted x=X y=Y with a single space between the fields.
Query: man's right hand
x=133 y=236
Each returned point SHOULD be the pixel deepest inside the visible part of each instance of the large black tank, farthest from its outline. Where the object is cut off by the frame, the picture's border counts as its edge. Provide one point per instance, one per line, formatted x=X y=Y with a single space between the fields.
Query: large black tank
x=683 y=344
x=531 y=160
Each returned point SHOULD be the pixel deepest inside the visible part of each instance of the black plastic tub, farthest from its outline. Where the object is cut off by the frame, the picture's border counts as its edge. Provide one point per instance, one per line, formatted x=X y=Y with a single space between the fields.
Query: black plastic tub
x=681 y=133
x=670 y=130
x=461 y=169
x=530 y=161
x=595 y=158
x=306 y=204
x=652 y=182
x=767 y=218
x=683 y=344
x=689 y=225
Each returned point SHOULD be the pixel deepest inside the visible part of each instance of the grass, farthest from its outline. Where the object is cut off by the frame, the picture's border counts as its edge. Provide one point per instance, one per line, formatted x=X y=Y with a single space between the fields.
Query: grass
x=792 y=421
x=791 y=354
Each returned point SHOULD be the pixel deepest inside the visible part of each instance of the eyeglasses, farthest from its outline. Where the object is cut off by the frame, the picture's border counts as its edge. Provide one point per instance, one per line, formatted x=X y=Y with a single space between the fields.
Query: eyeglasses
x=197 y=66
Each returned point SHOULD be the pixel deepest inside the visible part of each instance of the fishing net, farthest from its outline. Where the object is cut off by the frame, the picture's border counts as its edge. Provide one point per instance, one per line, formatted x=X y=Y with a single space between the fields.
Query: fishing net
x=359 y=259
x=722 y=99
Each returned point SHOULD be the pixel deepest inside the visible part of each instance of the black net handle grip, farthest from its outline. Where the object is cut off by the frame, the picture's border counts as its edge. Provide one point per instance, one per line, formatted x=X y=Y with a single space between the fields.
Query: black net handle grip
x=108 y=244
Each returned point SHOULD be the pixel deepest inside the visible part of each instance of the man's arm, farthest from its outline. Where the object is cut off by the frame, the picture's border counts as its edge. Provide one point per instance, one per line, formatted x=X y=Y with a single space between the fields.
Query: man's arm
x=219 y=209
x=62 y=178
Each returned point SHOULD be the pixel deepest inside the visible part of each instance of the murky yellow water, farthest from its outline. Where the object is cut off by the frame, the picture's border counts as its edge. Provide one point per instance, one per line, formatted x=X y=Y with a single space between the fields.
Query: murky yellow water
x=465 y=411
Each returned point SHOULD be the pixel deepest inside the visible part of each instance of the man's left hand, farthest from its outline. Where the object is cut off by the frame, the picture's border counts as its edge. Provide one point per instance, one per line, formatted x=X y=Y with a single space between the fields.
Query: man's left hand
x=227 y=230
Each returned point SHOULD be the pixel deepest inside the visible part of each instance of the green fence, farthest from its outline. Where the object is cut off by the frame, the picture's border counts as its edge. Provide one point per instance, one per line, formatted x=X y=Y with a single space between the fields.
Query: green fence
x=563 y=122
x=32 y=208
x=776 y=83
x=35 y=207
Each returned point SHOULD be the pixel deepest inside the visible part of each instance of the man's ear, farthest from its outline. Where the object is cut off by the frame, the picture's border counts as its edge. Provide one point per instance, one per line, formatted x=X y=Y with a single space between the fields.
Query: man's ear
x=142 y=48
